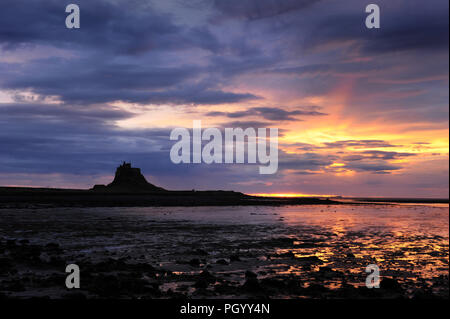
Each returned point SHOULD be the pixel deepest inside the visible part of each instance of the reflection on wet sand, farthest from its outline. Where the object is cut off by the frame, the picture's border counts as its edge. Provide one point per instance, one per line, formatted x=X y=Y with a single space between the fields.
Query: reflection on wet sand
x=226 y=252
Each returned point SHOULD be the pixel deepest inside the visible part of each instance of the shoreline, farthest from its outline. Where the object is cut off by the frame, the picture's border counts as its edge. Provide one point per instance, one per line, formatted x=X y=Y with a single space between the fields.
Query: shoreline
x=24 y=197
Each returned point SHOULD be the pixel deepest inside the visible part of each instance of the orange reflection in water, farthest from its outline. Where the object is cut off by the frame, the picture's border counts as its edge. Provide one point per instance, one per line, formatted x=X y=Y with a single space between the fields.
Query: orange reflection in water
x=408 y=242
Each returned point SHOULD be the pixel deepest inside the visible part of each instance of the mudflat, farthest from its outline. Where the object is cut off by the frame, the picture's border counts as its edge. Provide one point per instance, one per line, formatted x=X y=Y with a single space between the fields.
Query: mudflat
x=307 y=251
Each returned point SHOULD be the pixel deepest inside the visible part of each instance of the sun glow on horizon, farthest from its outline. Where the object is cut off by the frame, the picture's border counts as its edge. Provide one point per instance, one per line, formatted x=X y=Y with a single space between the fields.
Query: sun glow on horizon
x=291 y=195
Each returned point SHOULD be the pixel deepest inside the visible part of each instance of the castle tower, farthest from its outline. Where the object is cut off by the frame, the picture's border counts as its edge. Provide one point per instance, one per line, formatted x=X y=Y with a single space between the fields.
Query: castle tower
x=129 y=179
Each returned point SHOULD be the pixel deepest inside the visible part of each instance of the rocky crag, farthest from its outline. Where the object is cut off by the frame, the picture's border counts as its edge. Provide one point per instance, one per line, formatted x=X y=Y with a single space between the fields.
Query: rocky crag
x=128 y=179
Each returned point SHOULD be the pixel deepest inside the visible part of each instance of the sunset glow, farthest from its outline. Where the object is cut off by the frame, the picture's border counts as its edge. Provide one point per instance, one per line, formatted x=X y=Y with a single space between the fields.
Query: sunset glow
x=360 y=112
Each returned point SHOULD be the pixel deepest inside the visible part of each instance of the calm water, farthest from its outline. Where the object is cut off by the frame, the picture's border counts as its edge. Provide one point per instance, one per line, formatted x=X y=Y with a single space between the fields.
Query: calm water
x=407 y=242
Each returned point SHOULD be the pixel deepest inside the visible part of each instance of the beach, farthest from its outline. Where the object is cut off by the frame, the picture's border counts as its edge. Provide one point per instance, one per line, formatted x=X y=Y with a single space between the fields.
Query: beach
x=309 y=251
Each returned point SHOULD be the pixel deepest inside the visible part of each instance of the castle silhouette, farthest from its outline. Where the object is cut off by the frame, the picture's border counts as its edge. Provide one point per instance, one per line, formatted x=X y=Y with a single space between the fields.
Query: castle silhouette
x=128 y=178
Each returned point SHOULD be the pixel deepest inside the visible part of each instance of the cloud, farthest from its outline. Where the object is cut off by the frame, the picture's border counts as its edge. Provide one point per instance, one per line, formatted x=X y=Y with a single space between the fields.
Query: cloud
x=387 y=155
x=372 y=167
x=105 y=25
x=258 y=52
x=260 y=9
x=75 y=113
x=248 y=124
x=359 y=144
x=306 y=161
x=402 y=29
x=137 y=55
x=92 y=81
x=269 y=113
x=72 y=139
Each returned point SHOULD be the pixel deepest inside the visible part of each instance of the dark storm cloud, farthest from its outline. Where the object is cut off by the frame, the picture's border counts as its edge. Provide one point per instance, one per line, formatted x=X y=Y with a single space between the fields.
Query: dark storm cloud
x=259 y=9
x=98 y=68
x=139 y=52
x=76 y=140
x=97 y=81
x=339 y=69
x=185 y=95
x=96 y=74
x=74 y=113
x=120 y=26
x=210 y=97
x=72 y=139
x=404 y=28
x=268 y=113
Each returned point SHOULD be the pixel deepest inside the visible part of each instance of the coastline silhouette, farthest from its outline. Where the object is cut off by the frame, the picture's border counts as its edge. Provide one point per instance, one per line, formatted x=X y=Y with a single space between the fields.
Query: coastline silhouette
x=130 y=188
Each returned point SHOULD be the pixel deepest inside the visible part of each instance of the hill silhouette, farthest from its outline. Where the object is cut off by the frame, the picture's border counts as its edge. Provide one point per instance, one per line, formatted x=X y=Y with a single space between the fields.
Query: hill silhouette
x=129 y=179
x=130 y=188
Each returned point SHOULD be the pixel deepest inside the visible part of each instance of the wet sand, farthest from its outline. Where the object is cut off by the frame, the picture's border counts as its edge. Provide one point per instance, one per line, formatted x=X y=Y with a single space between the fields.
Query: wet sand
x=226 y=252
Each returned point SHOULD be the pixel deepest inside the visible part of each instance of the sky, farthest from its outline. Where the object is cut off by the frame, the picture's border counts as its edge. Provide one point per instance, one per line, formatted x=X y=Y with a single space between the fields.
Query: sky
x=360 y=112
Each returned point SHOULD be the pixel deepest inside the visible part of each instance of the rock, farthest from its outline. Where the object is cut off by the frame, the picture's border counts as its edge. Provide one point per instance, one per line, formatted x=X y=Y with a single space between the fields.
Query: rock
x=281 y=242
x=273 y=283
x=201 y=283
x=391 y=285
x=176 y=295
x=293 y=286
x=315 y=290
x=222 y=262
x=10 y=243
x=225 y=289
x=52 y=247
x=105 y=286
x=5 y=265
x=200 y=252
x=327 y=272
x=288 y=254
x=194 y=262
x=74 y=295
x=251 y=285
x=306 y=267
x=57 y=262
x=205 y=275
x=15 y=285
x=234 y=258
